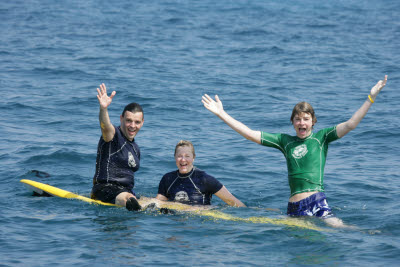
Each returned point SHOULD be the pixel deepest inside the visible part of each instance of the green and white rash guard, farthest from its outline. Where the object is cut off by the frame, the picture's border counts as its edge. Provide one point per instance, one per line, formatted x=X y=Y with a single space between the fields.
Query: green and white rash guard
x=305 y=158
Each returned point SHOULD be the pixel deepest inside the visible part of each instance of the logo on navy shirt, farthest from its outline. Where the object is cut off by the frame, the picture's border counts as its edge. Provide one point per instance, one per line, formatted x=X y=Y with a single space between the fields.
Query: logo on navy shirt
x=131 y=160
x=181 y=196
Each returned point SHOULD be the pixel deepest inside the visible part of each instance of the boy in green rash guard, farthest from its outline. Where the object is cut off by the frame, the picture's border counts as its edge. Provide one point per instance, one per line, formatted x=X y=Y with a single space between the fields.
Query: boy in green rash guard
x=305 y=153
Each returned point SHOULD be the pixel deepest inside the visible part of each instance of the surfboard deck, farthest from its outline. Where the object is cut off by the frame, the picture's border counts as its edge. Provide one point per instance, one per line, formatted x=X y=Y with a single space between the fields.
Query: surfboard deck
x=43 y=189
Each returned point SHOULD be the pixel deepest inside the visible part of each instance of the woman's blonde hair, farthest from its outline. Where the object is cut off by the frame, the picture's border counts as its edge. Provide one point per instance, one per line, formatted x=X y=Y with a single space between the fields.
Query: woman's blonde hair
x=185 y=143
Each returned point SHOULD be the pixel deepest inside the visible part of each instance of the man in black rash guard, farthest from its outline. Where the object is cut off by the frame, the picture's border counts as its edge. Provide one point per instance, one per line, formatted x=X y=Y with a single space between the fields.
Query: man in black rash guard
x=118 y=155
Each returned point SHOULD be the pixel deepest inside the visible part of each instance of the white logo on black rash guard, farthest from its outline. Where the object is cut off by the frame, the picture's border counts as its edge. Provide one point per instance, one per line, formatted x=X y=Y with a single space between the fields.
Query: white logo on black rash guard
x=131 y=160
x=181 y=196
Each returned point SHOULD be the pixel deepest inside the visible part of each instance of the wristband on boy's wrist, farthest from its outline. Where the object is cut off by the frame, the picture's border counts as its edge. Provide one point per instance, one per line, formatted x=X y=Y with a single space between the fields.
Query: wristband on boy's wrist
x=370 y=99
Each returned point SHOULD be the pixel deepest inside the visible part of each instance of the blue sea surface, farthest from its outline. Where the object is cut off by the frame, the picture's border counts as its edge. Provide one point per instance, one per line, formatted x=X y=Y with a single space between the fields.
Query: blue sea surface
x=261 y=58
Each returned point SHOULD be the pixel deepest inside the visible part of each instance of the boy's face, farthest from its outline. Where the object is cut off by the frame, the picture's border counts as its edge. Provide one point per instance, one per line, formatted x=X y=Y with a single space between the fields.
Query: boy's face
x=303 y=124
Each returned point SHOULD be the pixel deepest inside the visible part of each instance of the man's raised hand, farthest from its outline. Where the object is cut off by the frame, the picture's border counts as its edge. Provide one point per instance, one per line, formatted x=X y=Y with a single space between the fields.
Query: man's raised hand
x=104 y=99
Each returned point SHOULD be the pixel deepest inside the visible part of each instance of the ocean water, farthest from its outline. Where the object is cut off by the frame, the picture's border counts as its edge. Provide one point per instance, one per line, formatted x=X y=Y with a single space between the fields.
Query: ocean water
x=261 y=58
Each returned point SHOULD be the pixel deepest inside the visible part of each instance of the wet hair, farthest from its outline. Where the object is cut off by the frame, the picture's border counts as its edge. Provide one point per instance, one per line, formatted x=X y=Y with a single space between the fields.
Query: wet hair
x=303 y=107
x=133 y=107
x=185 y=143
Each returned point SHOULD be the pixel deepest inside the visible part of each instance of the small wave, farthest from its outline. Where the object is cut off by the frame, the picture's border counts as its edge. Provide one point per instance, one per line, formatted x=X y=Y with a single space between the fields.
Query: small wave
x=252 y=32
x=60 y=72
x=23 y=106
x=4 y=53
x=51 y=50
x=174 y=21
x=324 y=26
x=62 y=155
x=90 y=59
x=257 y=50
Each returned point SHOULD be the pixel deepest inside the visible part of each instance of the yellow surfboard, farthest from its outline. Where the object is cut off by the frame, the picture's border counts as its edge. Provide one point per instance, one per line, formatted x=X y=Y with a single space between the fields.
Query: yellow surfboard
x=39 y=188
x=197 y=210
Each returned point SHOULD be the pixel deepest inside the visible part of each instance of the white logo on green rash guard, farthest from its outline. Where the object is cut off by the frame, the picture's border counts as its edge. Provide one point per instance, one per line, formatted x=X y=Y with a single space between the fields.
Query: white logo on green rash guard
x=300 y=151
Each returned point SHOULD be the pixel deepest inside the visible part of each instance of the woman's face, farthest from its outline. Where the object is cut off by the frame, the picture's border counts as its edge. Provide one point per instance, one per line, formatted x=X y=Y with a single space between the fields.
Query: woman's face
x=303 y=124
x=184 y=159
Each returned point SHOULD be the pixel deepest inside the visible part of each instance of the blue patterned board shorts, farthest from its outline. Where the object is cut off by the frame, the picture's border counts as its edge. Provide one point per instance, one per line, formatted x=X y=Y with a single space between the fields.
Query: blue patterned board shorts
x=314 y=205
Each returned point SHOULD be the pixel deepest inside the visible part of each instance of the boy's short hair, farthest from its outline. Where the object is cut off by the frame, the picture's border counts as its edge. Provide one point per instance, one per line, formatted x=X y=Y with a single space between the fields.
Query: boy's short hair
x=303 y=107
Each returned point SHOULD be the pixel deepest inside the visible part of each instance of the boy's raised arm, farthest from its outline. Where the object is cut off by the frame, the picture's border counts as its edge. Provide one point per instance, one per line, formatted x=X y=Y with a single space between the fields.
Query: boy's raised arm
x=343 y=128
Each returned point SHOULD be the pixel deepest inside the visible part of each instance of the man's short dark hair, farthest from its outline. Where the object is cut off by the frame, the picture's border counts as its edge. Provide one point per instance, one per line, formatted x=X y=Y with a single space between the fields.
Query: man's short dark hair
x=133 y=107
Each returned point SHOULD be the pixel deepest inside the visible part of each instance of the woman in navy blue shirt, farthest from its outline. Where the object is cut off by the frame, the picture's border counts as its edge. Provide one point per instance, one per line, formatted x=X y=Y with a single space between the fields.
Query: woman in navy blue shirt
x=190 y=185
